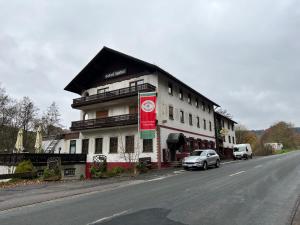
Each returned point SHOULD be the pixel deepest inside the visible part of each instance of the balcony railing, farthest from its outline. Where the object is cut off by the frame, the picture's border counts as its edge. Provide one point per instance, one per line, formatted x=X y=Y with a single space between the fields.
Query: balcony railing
x=40 y=158
x=111 y=95
x=112 y=121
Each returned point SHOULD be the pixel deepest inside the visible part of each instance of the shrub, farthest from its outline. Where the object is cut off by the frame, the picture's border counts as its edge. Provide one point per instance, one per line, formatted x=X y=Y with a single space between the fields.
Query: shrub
x=142 y=168
x=26 y=167
x=118 y=170
x=98 y=170
x=52 y=174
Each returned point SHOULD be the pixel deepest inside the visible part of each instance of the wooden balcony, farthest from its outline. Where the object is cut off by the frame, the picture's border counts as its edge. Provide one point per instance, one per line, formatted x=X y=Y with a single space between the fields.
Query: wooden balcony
x=112 y=121
x=112 y=95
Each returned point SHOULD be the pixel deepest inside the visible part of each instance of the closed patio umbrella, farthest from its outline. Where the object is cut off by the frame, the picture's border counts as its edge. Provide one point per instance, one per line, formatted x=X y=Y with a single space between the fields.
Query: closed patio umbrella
x=19 y=143
x=38 y=140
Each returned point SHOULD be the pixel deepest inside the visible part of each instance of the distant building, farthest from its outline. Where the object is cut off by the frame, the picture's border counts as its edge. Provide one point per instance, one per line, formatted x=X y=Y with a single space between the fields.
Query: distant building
x=274 y=146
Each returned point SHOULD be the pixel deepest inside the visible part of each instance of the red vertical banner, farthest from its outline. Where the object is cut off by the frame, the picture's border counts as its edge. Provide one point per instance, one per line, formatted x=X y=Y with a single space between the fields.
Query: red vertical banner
x=147 y=115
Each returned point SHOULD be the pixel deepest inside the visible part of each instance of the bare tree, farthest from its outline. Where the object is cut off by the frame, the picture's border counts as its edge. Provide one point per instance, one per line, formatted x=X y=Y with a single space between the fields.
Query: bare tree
x=51 y=120
x=224 y=112
x=27 y=114
x=131 y=157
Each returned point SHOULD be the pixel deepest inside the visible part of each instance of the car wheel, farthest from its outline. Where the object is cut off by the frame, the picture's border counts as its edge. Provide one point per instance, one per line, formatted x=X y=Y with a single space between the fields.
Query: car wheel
x=217 y=163
x=185 y=168
x=204 y=166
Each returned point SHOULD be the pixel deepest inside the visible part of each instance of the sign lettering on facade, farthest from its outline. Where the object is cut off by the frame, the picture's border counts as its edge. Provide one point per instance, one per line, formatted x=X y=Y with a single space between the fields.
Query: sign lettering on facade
x=115 y=73
x=147 y=111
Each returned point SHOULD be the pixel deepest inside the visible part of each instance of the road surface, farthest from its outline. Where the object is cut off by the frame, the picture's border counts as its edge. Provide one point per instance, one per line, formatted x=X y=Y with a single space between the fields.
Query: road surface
x=259 y=191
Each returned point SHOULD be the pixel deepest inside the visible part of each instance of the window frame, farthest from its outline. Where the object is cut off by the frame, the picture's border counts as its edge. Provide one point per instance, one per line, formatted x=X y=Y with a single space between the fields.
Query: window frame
x=74 y=145
x=180 y=94
x=190 y=119
x=144 y=145
x=189 y=98
x=204 y=124
x=181 y=116
x=170 y=88
x=95 y=150
x=83 y=144
x=113 y=145
x=198 y=121
x=171 y=112
x=129 y=146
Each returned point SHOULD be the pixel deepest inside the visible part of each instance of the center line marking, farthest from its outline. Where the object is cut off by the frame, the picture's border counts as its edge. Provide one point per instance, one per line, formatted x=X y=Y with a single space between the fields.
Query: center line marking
x=258 y=166
x=237 y=173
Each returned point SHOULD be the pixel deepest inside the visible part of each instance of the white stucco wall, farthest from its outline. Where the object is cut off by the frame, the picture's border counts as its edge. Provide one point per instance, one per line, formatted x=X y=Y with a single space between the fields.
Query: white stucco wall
x=230 y=133
x=165 y=99
x=120 y=133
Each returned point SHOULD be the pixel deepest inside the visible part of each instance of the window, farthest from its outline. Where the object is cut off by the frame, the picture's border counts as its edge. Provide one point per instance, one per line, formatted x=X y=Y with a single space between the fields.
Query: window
x=72 y=146
x=204 y=124
x=102 y=90
x=171 y=113
x=210 y=126
x=209 y=108
x=181 y=116
x=229 y=139
x=191 y=119
x=197 y=103
x=98 y=145
x=69 y=172
x=180 y=94
x=85 y=116
x=203 y=106
x=85 y=146
x=228 y=125
x=170 y=89
x=113 y=145
x=224 y=138
x=232 y=126
x=129 y=144
x=136 y=83
x=198 y=122
x=233 y=141
x=147 y=145
x=189 y=99
x=223 y=123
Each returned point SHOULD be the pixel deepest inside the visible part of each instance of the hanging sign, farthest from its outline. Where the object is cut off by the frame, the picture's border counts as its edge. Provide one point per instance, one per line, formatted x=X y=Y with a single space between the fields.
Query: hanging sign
x=147 y=115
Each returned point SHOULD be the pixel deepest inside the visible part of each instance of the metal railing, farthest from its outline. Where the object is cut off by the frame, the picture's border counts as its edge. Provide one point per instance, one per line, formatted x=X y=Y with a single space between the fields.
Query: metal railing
x=39 y=159
x=112 y=121
x=110 y=95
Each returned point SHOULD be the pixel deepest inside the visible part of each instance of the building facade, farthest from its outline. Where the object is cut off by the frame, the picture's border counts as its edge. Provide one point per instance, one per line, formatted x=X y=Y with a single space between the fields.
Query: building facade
x=108 y=125
x=225 y=135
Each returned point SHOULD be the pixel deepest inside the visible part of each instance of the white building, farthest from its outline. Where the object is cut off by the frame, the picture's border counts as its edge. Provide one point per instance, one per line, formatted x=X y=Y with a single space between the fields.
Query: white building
x=108 y=87
x=225 y=133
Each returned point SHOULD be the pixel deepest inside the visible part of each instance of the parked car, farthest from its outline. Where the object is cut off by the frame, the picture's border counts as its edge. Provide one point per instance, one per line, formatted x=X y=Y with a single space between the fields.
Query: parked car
x=242 y=151
x=201 y=159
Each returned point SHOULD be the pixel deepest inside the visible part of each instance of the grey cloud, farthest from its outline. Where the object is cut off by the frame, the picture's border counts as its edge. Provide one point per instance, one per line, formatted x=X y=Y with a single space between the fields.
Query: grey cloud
x=242 y=54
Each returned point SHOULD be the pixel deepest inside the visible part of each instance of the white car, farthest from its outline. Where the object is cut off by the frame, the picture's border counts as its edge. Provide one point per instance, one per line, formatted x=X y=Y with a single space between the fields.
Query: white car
x=242 y=151
x=201 y=158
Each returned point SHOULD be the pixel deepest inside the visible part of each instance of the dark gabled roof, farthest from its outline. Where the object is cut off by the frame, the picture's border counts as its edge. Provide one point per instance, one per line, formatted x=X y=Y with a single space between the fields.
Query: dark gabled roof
x=226 y=117
x=79 y=83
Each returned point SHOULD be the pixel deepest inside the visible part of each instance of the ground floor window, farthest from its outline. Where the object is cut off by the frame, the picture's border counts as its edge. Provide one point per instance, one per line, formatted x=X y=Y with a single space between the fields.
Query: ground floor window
x=129 y=144
x=113 y=145
x=85 y=146
x=69 y=172
x=98 y=145
x=72 y=147
x=147 y=145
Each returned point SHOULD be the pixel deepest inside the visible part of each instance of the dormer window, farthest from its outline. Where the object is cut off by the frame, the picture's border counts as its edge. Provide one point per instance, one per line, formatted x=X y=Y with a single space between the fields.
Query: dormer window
x=197 y=103
x=180 y=94
x=170 y=89
x=189 y=99
x=203 y=106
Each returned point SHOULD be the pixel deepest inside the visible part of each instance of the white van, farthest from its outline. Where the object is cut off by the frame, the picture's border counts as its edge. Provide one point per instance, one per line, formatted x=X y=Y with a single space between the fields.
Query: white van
x=242 y=151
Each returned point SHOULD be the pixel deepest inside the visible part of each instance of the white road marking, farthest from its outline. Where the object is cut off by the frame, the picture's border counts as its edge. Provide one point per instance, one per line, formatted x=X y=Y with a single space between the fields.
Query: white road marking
x=237 y=173
x=179 y=171
x=158 y=178
x=108 y=217
x=258 y=166
x=228 y=162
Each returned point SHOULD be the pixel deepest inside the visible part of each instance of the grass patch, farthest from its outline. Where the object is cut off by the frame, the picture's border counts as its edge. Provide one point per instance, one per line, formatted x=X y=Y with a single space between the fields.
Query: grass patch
x=284 y=151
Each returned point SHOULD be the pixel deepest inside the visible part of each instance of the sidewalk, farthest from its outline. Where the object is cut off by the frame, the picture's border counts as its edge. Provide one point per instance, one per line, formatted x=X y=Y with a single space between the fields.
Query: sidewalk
x=37 y=193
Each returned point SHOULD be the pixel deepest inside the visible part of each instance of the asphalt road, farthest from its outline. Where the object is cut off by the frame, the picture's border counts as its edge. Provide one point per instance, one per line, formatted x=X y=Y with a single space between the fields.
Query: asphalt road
x=259 y=191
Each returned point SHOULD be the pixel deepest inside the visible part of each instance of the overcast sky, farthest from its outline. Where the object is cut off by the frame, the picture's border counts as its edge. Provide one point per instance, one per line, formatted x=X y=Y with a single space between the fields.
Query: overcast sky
x=244 y=55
